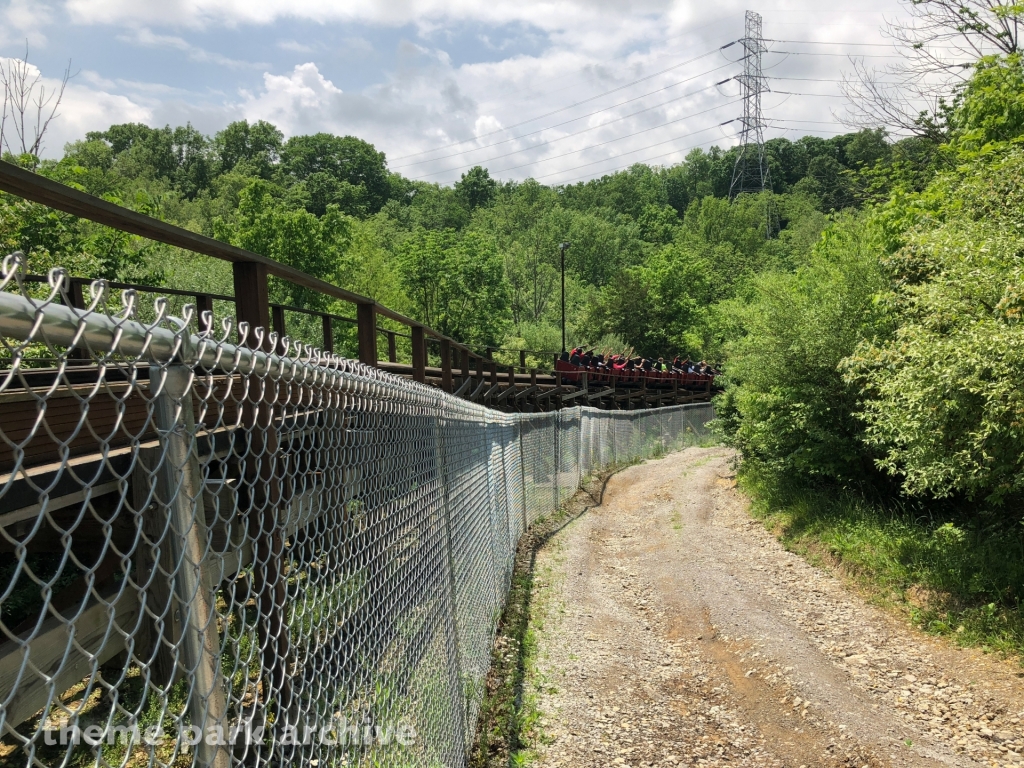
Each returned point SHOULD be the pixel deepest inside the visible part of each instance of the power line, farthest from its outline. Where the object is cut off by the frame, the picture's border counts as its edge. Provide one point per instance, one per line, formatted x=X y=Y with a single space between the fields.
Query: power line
x=570 y=106
x=641 y=149
x=823 y=42
x=581 y=149
x=823 y=95
x=859 y=55
x=645 y=161
x=891 y=46
x=589 y=114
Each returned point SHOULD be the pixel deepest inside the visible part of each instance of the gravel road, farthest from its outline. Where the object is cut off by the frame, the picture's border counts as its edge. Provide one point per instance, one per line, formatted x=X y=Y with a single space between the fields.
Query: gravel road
x=678 y=631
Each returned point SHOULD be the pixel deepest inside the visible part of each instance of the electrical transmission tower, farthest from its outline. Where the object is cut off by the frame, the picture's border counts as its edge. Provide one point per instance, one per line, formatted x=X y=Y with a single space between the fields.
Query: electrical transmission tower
x=750 y=174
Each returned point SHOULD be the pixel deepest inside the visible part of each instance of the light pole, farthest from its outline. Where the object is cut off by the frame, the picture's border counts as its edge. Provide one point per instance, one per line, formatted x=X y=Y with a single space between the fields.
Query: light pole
x=562 y=247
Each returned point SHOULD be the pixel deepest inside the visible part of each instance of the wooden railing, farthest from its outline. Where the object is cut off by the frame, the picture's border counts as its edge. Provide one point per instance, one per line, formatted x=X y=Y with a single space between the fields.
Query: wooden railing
x=250 y=272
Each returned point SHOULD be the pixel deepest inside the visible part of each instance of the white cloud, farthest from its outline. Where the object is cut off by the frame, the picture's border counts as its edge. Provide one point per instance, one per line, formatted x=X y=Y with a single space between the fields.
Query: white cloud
x=546 y=14
x=422 y=101
x=147 y=38
x=22 y=22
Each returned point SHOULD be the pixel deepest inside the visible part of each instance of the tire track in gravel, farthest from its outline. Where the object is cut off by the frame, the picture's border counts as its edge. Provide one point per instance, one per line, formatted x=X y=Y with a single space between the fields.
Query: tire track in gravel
x=679 y=632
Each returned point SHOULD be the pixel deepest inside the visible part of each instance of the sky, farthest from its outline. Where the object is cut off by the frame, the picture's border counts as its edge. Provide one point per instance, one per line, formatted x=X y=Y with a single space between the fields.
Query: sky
x=557 y=90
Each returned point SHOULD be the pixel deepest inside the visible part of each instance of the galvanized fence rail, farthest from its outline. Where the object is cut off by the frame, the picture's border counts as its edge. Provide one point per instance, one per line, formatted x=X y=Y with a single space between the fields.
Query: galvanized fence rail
x=216 y=556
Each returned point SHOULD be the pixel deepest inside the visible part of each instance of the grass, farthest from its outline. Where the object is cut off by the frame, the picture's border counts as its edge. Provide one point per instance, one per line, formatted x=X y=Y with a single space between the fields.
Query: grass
x=951 y=574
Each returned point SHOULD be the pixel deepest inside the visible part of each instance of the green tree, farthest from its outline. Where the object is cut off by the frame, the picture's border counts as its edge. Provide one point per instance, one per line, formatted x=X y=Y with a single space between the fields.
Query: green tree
x=256 y=147
x=343 y=158
x=943 y=403
x=476 y=188
x=315 y=245
x=789 y=408
x=455 y=283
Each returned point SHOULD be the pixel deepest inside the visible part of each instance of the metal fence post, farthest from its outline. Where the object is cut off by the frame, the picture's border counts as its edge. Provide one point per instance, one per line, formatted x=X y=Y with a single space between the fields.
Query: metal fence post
x=556 y=419
x=180 y=490
x=459 y=702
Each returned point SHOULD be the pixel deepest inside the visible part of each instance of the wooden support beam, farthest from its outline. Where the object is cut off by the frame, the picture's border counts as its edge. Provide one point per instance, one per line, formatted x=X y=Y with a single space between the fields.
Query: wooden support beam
x=252 y=301
x=328 y=334
x=277 y=320
x=526 y=392
x=494 y=373
x=446 y=365
x=478 y=391
x=522 y=361
x=467 y=382
x=566 y=397
x=204 y=303
x=419 y=354
x=392 y=347
x=366 y=321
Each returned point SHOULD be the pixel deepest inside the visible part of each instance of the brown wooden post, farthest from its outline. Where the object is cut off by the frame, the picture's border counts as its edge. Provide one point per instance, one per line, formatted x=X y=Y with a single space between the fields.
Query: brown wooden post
x=252 y=305
x=328 y=333
x=419 y=354
x=522 y=361
x=392 y=347
x=533 y=377
x=511 y=375
x=204 y=303
x=446 y=365
x=366 y=319
x=252 y=299
x=494 y=373
x=479 y=368
x=277 y=318
x=464 y=363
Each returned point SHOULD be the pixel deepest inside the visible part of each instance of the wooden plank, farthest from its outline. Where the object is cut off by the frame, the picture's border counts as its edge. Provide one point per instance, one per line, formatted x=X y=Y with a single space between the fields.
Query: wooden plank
x=527 y=392
x=56 y=503
x=56 y=652
x=464 y=387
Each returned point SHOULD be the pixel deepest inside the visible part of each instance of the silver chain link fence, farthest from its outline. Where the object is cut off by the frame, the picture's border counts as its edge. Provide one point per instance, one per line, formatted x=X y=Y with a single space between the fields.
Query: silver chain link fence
x=211 y=556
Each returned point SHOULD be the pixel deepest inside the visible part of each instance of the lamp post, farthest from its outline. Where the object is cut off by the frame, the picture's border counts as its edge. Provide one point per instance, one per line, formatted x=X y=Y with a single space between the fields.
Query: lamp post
x=562 y=248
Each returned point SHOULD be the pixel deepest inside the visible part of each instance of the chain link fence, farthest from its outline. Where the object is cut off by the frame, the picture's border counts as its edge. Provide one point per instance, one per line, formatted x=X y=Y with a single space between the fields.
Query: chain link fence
x=213 y=556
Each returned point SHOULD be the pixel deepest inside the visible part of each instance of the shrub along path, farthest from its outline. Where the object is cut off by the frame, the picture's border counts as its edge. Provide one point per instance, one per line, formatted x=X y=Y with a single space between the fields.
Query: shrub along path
x=673 y=629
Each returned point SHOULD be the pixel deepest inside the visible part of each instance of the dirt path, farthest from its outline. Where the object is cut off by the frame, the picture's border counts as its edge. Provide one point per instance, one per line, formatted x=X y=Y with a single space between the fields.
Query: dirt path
x=676 y=630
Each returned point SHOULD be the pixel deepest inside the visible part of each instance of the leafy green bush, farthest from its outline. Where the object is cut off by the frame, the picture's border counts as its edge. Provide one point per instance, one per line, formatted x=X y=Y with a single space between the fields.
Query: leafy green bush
x=943 y=402
x=788 y=407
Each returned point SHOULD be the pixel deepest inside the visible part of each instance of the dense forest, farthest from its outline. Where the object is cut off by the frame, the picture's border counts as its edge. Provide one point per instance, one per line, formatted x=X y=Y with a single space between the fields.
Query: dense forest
x=872 y=344
x=655 y=251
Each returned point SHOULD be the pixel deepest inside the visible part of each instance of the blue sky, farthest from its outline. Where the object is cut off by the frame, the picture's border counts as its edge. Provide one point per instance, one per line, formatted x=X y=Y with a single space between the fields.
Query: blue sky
x=542 y=88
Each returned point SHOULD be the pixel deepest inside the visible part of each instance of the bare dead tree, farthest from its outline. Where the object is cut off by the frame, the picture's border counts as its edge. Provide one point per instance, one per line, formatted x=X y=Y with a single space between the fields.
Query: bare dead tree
x=29 y=107
x=939 y=45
